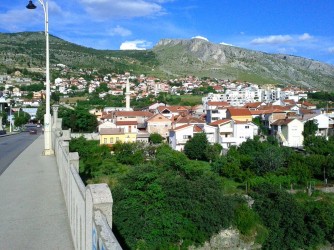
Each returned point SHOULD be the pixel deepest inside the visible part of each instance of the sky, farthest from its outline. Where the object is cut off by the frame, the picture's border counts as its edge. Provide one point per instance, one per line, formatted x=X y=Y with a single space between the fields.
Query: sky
x=296 y=27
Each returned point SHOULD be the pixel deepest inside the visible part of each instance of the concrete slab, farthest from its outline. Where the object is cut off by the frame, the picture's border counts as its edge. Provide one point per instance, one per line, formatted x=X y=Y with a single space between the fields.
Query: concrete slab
x=33 y=213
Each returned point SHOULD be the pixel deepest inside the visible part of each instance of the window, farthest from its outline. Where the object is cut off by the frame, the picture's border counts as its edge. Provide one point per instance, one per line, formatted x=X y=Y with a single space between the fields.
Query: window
x=105 y=140
x=111 y=140
x=117 y=139
x=186 y=136
x=246 y=126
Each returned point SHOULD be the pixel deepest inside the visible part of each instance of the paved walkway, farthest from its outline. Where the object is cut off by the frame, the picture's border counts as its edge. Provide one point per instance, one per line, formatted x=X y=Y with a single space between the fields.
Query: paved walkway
x=32 y=207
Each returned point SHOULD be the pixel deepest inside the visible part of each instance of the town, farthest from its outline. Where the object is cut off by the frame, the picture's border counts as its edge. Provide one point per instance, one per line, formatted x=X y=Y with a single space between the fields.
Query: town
x=230 y=112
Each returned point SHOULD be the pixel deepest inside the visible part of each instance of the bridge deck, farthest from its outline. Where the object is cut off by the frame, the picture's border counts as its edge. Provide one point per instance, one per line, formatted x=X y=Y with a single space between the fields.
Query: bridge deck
x=32 y=208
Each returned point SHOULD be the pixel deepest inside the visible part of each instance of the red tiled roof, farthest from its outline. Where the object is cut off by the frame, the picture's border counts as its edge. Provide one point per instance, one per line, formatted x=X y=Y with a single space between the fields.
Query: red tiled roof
x=173 y=109
x=281 y=122
x=239 y=112
x=216 y=123
x=189 y=119
x=252 y=105
x=197 y=129
x=111 y=131
x=220 y=104
x=133 y=113
x=258 y=112
x=182 y=127
x=122 y=123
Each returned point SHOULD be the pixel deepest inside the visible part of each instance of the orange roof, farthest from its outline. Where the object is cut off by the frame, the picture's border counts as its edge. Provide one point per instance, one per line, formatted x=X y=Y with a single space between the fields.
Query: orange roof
x=173 y=109
x=307 y=104
x=182 y=127
x=189 y=119
x=275 y=107
x=291 y=102
x=111 y=131
x=122 y=123
x=159 y=117
x=197 y=129
x=281 y=122
x=218 y=122
x=258 y=112
x=133 y=113
x=220 y=104
x=107 y=116
x=252 y=105
x=239 y=112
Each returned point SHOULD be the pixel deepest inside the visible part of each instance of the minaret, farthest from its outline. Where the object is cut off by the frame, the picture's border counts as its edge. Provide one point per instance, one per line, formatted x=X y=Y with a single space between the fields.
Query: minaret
x=127 y=92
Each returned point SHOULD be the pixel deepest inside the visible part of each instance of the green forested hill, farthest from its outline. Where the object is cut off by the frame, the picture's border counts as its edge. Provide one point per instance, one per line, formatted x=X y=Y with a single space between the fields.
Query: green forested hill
x=169 y=58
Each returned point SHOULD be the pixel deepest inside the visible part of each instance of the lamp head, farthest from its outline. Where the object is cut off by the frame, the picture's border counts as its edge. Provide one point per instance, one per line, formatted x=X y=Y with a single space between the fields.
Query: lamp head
x=31 y=5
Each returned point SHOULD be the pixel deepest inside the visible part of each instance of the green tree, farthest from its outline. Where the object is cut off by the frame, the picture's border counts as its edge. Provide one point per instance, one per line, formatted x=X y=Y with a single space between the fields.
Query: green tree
x=196 y=147
x=21 y=118
x=319 y=145
x=156 y=138
x=129 y=153
x=282 y=216
x=79 y=120
x=310 y=128
x=213 y=151
x=159 y=208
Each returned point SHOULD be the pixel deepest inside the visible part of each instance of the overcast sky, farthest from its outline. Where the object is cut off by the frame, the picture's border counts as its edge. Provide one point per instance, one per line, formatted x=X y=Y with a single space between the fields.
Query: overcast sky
x=297 y=27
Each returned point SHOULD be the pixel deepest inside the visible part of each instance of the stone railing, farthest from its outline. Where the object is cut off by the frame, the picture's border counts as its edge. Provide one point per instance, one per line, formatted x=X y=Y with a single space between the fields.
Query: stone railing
x=89 y=207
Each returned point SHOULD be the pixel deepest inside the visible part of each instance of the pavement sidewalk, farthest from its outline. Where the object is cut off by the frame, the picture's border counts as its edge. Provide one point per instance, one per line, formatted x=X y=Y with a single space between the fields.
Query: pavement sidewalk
x=32 y=208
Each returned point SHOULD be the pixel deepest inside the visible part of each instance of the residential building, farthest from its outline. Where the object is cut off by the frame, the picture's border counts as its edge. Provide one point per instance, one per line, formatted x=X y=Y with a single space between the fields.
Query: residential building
x=289 y=132
x=110 y=136
x=159 y=124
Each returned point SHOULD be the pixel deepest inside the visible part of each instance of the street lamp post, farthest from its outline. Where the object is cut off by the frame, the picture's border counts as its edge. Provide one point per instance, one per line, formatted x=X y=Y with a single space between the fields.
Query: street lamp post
x=10 y=118
x=47 y=116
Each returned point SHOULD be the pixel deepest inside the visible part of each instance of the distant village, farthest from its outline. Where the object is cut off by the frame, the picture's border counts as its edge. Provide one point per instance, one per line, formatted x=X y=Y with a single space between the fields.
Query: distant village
x=227 y=115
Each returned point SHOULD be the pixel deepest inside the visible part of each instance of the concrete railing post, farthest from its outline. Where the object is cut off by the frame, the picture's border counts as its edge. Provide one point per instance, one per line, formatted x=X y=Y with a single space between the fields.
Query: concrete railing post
x=73 y=159
x=98 y=198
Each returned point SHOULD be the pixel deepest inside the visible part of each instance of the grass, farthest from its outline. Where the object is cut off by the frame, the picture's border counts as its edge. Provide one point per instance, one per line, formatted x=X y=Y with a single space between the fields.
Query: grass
x=72 y=99
x=191 y=100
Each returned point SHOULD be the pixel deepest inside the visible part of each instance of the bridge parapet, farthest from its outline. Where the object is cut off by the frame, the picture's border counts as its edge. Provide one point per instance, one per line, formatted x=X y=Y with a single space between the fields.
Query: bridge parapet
x=89 y=207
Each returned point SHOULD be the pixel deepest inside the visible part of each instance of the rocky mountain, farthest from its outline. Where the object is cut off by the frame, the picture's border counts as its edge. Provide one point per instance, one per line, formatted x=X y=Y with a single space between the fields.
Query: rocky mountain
x=200 y=57
x=169 y=58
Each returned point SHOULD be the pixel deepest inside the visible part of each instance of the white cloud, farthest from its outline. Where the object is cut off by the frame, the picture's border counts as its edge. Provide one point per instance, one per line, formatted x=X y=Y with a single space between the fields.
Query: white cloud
x=15 y=20
x=135 y=45
x=228 y=44
x=200 y=37
x=289 y=50
x=305 y=36
x=272 y=39
x=109 y=9
x=331 y=50
x=119 y=31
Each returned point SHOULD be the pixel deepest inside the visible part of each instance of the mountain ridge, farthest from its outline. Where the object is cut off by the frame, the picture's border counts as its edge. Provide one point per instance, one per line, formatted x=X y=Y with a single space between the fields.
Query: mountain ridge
x=237 y=62
x=170 y=58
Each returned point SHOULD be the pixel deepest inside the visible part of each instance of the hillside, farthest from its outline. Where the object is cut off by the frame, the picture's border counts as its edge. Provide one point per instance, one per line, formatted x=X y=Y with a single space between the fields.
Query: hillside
x=199 y=57
x=27 y=50
x=169 y=58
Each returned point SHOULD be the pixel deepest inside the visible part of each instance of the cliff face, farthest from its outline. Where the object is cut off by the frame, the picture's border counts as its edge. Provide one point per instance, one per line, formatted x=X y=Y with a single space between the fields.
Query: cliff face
x=200 y=57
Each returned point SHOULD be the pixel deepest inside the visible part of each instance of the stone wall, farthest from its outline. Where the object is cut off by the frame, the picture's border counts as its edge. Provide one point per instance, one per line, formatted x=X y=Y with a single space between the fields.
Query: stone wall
x=89 y=207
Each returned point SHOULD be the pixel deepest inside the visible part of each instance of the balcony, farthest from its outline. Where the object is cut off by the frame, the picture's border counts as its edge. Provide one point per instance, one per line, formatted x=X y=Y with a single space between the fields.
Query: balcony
x=226 y=130
x=228 y=139
x=181 y=141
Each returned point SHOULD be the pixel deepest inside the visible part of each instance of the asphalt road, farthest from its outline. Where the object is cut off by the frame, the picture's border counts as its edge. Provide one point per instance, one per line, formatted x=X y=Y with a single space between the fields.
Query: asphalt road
x=12 y=146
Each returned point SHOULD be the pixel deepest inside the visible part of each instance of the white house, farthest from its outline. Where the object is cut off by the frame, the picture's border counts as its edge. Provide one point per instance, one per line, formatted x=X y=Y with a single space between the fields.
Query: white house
x=289 y=132
x=233 y=133
x=179 y=136
x=321 y=120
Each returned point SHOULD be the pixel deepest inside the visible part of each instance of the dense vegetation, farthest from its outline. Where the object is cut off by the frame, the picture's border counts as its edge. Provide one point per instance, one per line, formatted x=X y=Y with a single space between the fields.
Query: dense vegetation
x=165 y=200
